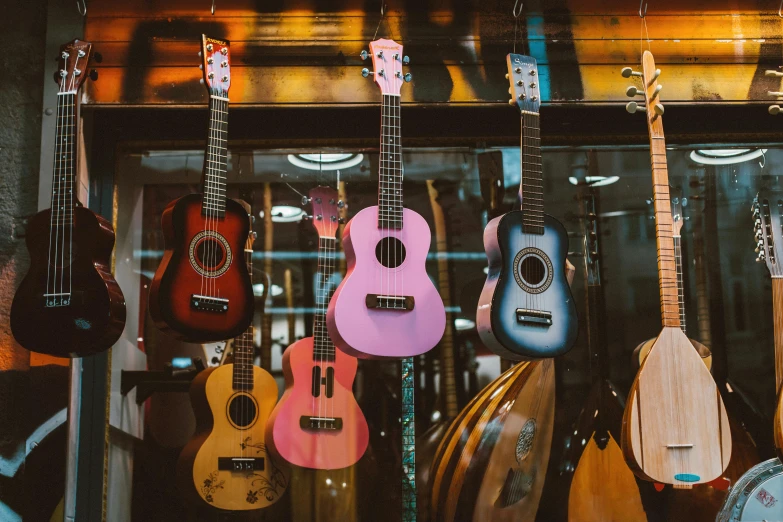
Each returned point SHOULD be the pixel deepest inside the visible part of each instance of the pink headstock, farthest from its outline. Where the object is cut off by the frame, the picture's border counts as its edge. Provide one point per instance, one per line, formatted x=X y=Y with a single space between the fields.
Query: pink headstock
x=72 y=65
x=326 y=217
x=387 y=62
x=216 y=64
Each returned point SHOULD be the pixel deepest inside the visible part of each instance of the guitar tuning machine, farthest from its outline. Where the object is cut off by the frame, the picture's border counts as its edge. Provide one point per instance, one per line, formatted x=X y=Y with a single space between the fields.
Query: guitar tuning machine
x=774 y=110
x=306 y=217
x=319 y=217
x=773 y=73
x=627 y=72
x=366 y=72
x=306 y=200
x=364 y=54
x=340 y=204
x=633 y=107
x=341 y=221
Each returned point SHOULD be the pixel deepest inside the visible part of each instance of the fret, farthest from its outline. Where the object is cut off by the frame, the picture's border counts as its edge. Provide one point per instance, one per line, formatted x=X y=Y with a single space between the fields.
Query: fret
x=390 y=173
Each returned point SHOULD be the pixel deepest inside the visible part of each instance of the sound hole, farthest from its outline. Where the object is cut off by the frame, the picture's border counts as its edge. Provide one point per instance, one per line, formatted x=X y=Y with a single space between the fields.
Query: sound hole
x=390 y=252
x=532 y=270
x=210 y=254
x=242 y=411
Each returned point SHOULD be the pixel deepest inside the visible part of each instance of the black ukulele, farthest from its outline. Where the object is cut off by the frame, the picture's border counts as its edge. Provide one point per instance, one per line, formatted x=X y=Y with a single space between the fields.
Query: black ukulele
x=68 y=304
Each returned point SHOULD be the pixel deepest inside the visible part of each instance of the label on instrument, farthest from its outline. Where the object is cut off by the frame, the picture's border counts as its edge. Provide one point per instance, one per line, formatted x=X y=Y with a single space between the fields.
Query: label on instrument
x=686 y=477
x=766 y=498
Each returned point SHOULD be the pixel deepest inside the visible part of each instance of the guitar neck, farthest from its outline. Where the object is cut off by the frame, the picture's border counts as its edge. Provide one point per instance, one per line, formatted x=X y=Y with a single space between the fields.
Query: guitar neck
x=266 y=320
x=64 y=178
x=216 y=158
x=677 y=244
x=531 y=185
x=777 y=311
x=390 y=166
x=409 y=510
x=323 y=348
x=243 y=346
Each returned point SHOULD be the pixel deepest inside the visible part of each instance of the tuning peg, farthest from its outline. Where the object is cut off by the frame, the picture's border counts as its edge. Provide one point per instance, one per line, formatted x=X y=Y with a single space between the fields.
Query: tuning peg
x=97 y=57
x=340 y=204
x=777 y=74
x=774 y=109
x=306 y=217
x=758 y=235
x=341 y=221
x=201 y=66
x=199 y=54
x=201 y=81
x=306 y=200
x=633 y=107
x=656 y=91
x=627 y=72
x=406 y=60
x=774 y=93
x=408 y=77
x=366 y=72
x=633 y=91
x=93 y=74
x=759 y=245
x=658 y=108
x=655 y=76
x=760 y=258
x=364 y=54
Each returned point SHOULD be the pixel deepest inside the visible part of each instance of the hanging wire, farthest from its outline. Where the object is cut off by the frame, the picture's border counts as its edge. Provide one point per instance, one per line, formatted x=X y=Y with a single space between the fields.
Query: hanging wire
x=515 y=12
x=383 y=15
x=213 y=7
x=780 y=9
x=81 y=6
x=642 y=5
x=643 y=29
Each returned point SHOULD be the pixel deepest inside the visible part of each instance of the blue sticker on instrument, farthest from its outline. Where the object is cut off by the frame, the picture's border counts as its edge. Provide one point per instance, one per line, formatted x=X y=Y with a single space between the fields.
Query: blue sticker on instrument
x=686 y=477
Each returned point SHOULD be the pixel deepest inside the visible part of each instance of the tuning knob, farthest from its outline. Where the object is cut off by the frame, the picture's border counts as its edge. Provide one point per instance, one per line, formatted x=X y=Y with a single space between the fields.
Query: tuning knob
x=364 y=54
x=655 y=76
x=341 y=221
x=340 y=204
x=633 y=107
x=656 y=91
x=658 y=108
x=760 y=258
x=366 y=72
x=758 y=235
x=408 y=77
x=633 y=91
x=627 y=72
x=773 y=73
x=306 y=200
x=774 y=110
x=759 y=245
x=406 y=60
x=774 y=93
x=306 y=217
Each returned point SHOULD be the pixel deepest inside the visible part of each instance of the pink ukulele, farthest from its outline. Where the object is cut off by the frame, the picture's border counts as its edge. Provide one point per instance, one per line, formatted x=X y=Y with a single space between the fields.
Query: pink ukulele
x=387 y=306
x=318 y=424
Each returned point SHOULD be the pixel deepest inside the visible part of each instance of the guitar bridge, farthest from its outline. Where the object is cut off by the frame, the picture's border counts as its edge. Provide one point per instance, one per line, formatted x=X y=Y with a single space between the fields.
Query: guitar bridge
x=534 y=317
x=390 y=302
x=320 y=423
x=240 y=464
x=209 y=304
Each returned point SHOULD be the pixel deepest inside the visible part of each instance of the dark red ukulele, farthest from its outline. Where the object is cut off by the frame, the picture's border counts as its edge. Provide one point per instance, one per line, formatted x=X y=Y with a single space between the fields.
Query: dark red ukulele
x=201 y=291
x=68 y=304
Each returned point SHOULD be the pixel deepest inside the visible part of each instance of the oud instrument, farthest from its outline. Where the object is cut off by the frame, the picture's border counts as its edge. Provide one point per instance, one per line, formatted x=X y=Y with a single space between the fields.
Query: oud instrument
x=200 y=292
x=526 y=310
x=318 y=423
x=675 y=429
x=68 y=304
x=227 y=465
x=386 y=306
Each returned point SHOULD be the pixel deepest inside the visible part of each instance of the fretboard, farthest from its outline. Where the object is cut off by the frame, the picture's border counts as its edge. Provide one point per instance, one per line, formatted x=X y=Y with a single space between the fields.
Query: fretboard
x=390 y=166
x=667 y=267
x=243 y=347
x=531 y=185
x=216 y=158
x=676 y=241
x=777 y=322
x=323 y=348
x=64 y=175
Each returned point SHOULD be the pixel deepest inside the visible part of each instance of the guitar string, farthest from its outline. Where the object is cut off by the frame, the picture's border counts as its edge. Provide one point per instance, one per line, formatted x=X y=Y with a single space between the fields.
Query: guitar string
x=53 y=216
x=68 y=163
x=56 y=212
x=71 y=179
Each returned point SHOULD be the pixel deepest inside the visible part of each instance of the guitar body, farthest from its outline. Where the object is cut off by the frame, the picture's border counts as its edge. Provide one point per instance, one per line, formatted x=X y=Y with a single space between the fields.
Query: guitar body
x=676 y=401
x=509 y=250
x=95 y=316
x=195 y=264
x=643 y=349
x=492 y=462
x=322 y=449
x=230 y=424
x=366 y=332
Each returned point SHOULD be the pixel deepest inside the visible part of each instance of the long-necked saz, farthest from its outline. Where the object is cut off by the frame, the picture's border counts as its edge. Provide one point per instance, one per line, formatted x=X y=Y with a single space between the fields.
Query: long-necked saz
x=227 y=465
x=68 y=304
x=387 y=307
x=602 y=485
x=201 y=291
x=526 y=310
x=318 y=423
x=675 y=429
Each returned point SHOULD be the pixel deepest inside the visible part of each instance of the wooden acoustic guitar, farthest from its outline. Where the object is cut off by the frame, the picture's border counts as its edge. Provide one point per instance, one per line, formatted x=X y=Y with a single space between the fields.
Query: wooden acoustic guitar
x=68 y=304
x=226 y=465
x=675 y=429
x=200 y=292
x=526 y=310
x=678 y=219
x=602 y=485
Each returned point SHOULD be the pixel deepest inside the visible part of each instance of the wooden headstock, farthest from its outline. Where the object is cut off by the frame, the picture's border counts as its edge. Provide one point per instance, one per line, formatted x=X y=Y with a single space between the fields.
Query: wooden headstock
x=523 y=78
x=326 y=205
x=387 y=60
x=651 y=91
x=768 y=229
x=72 y=65
x=216 y=64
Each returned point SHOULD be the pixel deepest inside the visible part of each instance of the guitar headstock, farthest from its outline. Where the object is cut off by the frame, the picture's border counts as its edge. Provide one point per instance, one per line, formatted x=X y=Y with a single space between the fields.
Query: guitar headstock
x=387 y=62
x=72 y=65
x=650 y=90
x=216 y=65
x=678 y=204
x=326 y=210
x=767 y=212
x=774 y=109
x=523 y=77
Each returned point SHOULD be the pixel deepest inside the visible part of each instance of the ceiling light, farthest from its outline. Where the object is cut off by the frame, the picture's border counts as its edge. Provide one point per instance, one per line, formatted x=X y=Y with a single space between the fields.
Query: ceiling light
x=258 y=290
x=181 y=362
x=725 y=156
x=325 y=161
x=284 y=214
x=461 y=323
x=595 y=181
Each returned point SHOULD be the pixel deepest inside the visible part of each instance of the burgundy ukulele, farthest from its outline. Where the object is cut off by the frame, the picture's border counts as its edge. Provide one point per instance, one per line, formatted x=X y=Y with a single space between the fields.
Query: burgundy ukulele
x=68 y=304
x=200 y=291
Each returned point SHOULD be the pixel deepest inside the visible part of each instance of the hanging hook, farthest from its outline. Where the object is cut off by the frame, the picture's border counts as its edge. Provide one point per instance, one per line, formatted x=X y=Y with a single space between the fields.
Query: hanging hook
x=213 y=7
x=517 y=10
x=780 y=8
x=81 y=6
x=763 y=161
x=642 y=4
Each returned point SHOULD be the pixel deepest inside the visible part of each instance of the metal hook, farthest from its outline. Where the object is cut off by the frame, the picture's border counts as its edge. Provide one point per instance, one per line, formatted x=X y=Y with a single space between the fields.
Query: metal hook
x=780 y=8
x=517 y=11
x=81 y=6
x=213 y=7
x=763 y=161
x=642 y=14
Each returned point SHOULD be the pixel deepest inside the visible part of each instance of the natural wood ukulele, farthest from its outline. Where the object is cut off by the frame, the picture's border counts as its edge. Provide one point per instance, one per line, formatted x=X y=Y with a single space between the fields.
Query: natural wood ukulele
x=675 y=429
x=226 y=464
